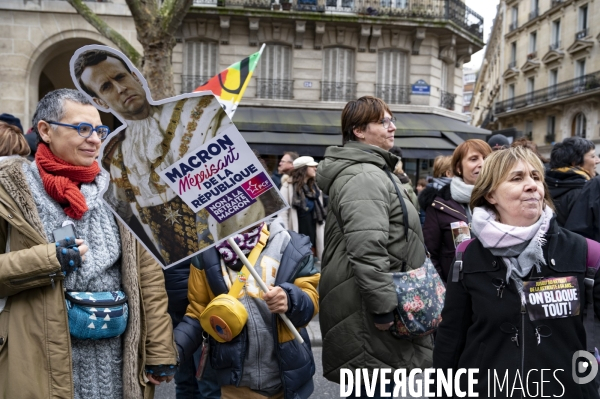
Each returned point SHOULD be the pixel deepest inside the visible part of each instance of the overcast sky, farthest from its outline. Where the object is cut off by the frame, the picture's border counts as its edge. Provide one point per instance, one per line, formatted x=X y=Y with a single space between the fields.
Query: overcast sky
x=487 y=9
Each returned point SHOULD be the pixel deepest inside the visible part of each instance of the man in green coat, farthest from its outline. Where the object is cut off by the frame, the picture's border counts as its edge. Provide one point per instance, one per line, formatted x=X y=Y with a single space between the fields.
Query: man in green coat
x=365 y=242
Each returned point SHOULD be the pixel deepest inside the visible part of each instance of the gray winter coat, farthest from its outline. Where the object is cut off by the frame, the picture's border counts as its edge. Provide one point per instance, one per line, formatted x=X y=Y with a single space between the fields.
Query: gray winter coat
x=356 y=288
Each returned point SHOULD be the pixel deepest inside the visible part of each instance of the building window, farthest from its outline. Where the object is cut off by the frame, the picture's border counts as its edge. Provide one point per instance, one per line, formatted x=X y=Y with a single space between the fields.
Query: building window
x=550 y=130
x=392 y=76
x=200 y=64
x=532 y=44
x=534 y=9
x=338 y=74
x=514 y=20
x=552 y=82
x=511 y=96
x=513 y=55
x=579 y=75
x=529 y=130
x=274 y=73
x=579 y=125
x=339 y=5
x=467 y=98
x=583 y=17
x=555 y=38
x=394 y=3
x=580 y=68
x=530 y=90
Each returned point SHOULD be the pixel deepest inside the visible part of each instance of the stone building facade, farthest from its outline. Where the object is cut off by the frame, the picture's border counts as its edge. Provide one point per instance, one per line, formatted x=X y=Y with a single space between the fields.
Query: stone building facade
x=541 y=74
x=319 y=55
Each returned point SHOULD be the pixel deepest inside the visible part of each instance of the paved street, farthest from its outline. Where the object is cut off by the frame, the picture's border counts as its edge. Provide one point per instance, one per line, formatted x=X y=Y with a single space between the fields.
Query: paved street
x=323 y=388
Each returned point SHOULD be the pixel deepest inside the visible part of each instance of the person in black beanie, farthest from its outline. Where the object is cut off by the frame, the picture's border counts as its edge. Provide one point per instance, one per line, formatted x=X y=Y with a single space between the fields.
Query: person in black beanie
x=12 y=120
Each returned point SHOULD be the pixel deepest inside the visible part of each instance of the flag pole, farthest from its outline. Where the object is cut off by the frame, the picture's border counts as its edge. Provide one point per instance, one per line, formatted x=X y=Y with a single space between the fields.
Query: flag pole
x=263 y=286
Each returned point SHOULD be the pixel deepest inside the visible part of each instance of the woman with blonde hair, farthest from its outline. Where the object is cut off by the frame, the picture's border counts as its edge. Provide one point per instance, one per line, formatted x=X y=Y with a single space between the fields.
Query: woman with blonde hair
x=495 y=316
x=12 y=141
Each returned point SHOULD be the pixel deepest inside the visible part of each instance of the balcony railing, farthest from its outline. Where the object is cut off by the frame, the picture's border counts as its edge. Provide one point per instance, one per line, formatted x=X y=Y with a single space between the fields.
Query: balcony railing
x=512 y=64
x=555 y=45
x=447 y=100
x=532 y=55
x=205 y=2
x=565 y=89
x=451 y=10
x=581 y=34
x=534 y=14
x=338 y=91
x=513 y=26
x=393 y=94
x=557 y=2
x=279 y=89
x=190 y=82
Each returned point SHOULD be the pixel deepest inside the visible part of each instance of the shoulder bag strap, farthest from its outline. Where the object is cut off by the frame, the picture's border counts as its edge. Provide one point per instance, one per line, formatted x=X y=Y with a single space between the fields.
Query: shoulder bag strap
x=402 y=203
x=239 y=282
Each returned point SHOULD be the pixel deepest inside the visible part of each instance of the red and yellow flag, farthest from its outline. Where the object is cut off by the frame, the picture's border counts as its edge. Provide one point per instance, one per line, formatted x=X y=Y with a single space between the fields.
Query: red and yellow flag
x=229 y=85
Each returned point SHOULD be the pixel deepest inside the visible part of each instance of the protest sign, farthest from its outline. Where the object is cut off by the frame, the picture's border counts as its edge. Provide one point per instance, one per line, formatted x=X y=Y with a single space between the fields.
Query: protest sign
x=192 y=131
x=552 y=298
x=222 y=176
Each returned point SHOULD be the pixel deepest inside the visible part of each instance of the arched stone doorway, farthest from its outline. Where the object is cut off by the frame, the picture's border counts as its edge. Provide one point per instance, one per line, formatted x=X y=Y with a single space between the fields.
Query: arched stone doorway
x=49 y=67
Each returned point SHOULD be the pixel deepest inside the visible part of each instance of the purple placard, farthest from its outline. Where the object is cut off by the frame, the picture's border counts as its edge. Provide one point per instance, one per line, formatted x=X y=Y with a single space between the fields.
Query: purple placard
x=257 y=185
x=230 y=204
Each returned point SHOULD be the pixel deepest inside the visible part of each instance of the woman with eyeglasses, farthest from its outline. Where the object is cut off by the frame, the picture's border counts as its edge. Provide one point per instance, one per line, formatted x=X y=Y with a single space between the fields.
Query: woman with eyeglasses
x=370 y=232
x=83 y=312
x=448 y=214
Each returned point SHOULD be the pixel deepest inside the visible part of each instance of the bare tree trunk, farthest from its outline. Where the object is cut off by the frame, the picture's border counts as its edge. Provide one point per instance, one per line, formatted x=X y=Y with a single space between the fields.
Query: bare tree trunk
x=158 y=69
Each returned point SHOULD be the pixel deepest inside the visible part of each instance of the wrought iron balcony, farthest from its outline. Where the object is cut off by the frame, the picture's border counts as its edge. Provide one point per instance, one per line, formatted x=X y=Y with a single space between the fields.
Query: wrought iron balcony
x=393 y=94
x=447 y=100
x=277 y=89
x=451 y=10
x=338 y=91
x=556 y=2
x=534 y=14
x=555 y=45
x=190 y=82
x=205 y=2
x=532 y=55
x=581 y=34
x=513 y=26
x=562 y=90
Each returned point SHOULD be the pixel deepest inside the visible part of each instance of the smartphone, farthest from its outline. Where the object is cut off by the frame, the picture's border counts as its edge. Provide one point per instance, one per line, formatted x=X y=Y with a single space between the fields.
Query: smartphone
x=64 y=232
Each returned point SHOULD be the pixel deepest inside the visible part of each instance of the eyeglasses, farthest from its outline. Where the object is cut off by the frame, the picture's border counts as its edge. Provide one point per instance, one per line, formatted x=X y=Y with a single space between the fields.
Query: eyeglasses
x=85 y=130
x=386 y=122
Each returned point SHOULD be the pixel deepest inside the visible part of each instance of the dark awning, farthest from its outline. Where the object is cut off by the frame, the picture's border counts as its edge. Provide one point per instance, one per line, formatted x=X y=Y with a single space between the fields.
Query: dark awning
x=310 y=132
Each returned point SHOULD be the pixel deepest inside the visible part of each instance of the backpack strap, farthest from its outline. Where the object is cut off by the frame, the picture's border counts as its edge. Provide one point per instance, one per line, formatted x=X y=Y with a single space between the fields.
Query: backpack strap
x=593 y=257
x=592 y=266
x=458 y=262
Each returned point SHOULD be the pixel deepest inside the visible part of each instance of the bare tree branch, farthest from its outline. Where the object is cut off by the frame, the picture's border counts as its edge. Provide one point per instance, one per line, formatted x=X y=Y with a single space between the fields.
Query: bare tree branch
x=172 y=13
x=107 y=31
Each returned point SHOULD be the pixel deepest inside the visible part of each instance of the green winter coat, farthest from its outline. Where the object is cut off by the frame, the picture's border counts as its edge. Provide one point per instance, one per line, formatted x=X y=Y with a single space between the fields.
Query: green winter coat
x=356 y=284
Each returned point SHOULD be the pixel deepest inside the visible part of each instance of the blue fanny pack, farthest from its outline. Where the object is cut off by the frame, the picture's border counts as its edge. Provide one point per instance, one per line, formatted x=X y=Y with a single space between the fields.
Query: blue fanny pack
x=97 y=315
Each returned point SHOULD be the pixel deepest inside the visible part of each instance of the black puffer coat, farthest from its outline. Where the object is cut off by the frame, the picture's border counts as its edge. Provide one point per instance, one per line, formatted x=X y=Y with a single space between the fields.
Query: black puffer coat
x=479 y=327
x=564 y=189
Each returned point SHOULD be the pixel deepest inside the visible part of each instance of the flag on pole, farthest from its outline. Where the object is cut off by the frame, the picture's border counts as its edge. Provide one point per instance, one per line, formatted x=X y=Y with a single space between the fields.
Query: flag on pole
x=229 y=85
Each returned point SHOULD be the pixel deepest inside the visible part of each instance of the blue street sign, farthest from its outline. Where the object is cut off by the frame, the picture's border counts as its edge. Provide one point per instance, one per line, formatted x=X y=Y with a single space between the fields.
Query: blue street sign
x=421 y=88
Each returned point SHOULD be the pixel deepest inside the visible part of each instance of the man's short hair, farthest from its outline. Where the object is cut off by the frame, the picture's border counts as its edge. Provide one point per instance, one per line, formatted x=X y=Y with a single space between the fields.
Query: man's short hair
x=91 y=58
x=570 y=152
x=292 y=154
x=52 y=106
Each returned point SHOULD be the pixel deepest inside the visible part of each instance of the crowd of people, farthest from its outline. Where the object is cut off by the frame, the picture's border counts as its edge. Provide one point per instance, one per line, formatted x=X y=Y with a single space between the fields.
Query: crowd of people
x=91 y=314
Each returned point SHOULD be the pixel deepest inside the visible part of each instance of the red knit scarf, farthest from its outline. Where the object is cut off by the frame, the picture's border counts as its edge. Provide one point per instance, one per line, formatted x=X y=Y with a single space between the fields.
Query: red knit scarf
x=62 y=180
